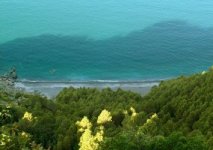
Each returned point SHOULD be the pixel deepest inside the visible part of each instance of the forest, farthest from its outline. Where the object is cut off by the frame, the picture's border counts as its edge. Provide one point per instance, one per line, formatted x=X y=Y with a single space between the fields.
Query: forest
x=176 y=115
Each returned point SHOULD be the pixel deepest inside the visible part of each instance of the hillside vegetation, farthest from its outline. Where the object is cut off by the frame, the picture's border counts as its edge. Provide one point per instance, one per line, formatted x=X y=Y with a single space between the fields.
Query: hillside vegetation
x=176 y=115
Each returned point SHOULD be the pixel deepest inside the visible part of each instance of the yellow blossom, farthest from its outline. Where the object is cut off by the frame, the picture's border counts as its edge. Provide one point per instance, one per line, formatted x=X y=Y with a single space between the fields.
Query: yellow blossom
x=104 y=117
x=8 y=106
x=28 y=116
x=134 y=114
x=24 y=134
x=88 y=141
x=154 y=116
x=2 y=143
x=125 y=112
x=204 y=72
x=149 y=126
x=99 y=134
x=84 y=124
x=4 y=139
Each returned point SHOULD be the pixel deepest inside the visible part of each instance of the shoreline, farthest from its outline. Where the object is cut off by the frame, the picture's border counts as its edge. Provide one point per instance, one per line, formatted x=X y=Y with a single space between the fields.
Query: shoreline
x=52 y=88
x=91 y=81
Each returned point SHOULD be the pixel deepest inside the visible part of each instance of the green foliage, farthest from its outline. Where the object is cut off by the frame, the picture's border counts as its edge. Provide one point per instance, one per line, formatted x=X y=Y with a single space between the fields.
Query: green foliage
x=176 y=115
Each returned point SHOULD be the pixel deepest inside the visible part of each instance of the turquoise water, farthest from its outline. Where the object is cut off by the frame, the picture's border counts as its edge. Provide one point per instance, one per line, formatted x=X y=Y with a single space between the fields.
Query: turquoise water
x=95 y=18
x=105 y=40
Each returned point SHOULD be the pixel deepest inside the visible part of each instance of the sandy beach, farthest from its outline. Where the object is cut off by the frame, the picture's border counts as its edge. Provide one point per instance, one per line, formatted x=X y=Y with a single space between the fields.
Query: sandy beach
x=51 y=89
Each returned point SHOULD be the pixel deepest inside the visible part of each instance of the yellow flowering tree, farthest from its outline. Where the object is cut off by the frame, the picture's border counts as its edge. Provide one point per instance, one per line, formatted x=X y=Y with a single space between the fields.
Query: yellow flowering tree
x=84 y=124
x=105 y=116
x=130 y=118
x=4 y=140
x=6 y=115
x=8 y=138
x=88 y=141
x=134 y=114
x=150 y=126
x=28 y=116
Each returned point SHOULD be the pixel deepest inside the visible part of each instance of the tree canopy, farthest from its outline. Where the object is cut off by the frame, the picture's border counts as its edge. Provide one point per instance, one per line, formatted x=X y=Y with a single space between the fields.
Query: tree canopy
x=176 y=115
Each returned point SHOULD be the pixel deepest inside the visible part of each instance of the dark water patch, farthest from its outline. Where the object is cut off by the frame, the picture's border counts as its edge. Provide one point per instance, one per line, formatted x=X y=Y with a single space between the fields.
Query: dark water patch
x=163 y=50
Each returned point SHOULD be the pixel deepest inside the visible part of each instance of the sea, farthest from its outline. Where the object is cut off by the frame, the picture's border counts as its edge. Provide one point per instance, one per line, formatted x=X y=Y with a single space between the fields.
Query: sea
x=129 y=44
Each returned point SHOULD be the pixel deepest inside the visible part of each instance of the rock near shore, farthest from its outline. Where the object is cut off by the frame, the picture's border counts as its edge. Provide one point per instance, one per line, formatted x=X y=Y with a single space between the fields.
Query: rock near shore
x=8 y=79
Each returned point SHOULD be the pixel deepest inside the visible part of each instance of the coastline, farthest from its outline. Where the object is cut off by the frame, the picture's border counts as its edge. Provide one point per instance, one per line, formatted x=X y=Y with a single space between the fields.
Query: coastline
x=52 y=88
